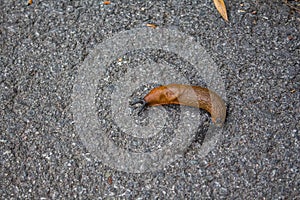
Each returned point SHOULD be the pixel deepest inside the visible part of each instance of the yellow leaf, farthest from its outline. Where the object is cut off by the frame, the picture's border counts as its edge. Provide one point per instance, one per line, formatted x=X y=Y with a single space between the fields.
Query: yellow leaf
x=220 y=5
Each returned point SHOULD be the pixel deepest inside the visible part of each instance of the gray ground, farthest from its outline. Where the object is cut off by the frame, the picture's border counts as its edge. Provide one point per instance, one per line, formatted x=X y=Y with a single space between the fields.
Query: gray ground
x=257 y=52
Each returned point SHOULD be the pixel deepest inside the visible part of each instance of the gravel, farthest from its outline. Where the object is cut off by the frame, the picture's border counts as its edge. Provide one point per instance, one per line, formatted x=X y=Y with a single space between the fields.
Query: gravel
x=257 y=53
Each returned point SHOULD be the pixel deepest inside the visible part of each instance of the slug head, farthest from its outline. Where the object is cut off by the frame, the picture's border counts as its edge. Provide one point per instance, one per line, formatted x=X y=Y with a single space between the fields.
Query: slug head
x=160 y=96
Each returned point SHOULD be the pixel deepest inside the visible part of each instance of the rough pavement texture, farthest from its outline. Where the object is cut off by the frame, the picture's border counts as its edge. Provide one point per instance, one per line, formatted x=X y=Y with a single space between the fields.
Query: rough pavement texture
x=257 y=52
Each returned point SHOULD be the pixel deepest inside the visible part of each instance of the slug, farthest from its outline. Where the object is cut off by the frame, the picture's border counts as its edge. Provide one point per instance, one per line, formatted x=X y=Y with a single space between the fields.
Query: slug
x=187 y=95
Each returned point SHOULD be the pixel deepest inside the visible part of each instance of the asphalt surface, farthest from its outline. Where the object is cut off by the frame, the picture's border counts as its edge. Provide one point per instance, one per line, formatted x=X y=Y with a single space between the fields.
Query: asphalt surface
x=257 y=53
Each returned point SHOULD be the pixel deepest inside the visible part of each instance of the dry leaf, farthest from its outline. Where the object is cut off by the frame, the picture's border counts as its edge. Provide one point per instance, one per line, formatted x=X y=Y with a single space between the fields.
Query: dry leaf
x=293 y=91
x=106 y=2
x=29 y=2
x=109 y=180
x=152 y=25
x=220 y=5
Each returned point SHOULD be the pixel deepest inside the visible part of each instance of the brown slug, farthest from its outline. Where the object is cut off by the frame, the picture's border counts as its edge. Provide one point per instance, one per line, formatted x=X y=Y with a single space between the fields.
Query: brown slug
x=187 y=95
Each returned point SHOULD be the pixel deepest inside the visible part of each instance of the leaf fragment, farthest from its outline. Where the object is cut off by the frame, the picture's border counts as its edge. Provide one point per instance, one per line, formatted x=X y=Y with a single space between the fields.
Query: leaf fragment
x=106 y=2
x=152 y=25
x=109 y=180
x=220 y=5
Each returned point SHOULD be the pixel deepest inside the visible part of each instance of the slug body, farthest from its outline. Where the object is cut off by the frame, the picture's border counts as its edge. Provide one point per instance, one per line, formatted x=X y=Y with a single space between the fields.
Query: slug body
x=187 y=95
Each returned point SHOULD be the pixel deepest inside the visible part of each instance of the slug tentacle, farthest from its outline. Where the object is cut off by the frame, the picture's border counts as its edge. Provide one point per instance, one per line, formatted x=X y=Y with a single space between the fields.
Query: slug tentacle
x=139 y=101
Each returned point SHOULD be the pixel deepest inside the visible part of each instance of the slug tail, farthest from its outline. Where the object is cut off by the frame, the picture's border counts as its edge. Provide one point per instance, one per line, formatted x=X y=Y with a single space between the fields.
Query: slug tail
x=218 y=109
